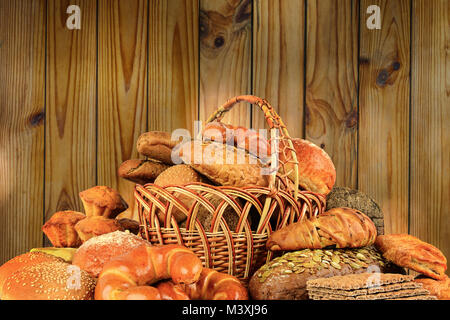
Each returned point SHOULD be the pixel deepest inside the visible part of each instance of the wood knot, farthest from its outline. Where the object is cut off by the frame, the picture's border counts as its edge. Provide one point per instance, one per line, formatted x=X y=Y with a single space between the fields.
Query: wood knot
x=352 y=120
x=37 y=118
x=382 y=77
x=364 y=60
x=219 y=41
x=396 y=65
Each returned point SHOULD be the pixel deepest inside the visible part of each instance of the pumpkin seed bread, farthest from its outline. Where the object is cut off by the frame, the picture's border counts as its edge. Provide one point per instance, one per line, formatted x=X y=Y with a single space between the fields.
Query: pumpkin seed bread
x=285 y=277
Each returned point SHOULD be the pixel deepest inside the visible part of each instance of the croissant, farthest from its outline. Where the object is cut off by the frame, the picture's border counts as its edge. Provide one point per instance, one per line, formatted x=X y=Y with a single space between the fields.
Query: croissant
x=128 y=277
x=339 y=227
x=212 y=285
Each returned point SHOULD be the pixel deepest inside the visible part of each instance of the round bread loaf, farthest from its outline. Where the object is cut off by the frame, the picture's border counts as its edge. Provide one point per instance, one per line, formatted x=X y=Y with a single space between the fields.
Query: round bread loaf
x=94 y=253
x=345 y=197
x=95 y=226
x=53 y=280
x=60 y=229
x=315 y=168
x=156 y=145
x=23 y=260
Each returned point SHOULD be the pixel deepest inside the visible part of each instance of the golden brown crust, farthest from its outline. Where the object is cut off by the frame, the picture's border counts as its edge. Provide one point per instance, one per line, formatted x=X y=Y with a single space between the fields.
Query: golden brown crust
x=94 y=253
x=156 y=145
x=129 y=224
x=315 y=167
x=224 y=165
x=342 y=227
x=438 y=288
x=60 y=228
x=23 y=260
x=102 y=201
x=54 y=280
x=95 y=226
x=410 y=252
x=141 y=171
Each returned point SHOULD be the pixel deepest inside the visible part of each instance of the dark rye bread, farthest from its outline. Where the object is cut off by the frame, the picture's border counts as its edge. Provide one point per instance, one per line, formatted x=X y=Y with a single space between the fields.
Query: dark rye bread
x=285 y=277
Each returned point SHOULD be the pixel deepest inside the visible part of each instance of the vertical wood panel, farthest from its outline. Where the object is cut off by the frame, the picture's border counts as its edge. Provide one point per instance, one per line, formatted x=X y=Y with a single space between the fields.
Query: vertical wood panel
x=278 y=59
x=331 y=118
x=225 y=57
x=122 y=89
x=384 y=111
x=70 y=161
x=173 y=64
x=430 y=119
x=22 y=79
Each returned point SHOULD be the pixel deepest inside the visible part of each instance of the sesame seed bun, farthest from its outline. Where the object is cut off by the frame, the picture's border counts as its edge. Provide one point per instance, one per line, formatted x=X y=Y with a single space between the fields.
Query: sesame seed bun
x=54 y=280
x=24 y=260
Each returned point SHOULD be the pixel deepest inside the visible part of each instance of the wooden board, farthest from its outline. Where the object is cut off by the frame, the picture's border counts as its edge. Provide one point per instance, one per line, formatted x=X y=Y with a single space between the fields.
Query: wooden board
x=22 y=105
x=173 y=65
x=430 y=118
x=278 y=61
x=225 y=57
x=70 y=156
x=383 y=166
x=122 y=65
x=331 y=115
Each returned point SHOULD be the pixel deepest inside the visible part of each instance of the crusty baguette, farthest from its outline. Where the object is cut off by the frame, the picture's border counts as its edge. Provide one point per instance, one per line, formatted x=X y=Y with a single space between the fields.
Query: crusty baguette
x=339 y=227
x=410 y=252
x=141 y=171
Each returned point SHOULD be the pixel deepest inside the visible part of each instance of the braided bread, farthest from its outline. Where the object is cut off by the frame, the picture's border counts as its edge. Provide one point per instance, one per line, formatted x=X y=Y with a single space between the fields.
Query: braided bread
x=128 y=276
x=212 y=285
x=339 y=227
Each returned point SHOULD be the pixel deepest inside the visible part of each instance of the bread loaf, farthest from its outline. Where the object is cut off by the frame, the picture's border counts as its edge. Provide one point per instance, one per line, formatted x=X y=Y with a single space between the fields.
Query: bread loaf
x=223 y=164
x=285 y=277
x=141 y=171
x=157 y=145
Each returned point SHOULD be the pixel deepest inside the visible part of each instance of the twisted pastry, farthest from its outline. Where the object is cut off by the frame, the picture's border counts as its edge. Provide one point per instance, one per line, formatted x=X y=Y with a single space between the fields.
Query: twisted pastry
x=128 y=277
x=339 y=227
x=212 y=285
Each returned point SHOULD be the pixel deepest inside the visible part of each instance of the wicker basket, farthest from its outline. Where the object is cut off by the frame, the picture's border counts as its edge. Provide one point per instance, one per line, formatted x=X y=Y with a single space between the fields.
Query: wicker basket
x=241 y=250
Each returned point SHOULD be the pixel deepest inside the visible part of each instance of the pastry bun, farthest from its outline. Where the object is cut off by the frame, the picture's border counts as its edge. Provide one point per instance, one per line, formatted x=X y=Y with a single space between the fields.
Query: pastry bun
x=96 y=226
x=102 y=201
x=60 y=228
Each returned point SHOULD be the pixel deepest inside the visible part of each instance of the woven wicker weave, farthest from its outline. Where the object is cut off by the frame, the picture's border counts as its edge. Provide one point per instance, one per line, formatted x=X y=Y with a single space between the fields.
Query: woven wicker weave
x=242 y=250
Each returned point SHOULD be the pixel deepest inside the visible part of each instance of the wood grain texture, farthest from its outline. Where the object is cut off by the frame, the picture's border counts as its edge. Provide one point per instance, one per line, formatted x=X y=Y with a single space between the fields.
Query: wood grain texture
x=331 y=118
x=22 y=103
x=173 y=64
x=383 y=170
x=278 y=60
x=430 y=119
x=225 y=57
x=122 y=90
x=70 y=158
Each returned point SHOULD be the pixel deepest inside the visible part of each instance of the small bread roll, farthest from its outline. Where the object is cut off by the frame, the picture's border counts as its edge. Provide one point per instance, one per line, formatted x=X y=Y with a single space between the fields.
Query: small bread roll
x=102 y=201
x=60 y=228
x=53 y=280
x=315 y=168
x=156 y=145
x=24 y=260
x=179 y=175
x=95 y=226
x=141 y=171
x=94 y=253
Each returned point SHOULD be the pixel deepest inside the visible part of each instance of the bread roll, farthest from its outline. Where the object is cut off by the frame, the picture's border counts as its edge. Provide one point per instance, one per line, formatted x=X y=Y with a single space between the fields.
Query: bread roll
x=23 y=260
x=157 y=145
x=95 y=226
x=438 y=288
x=94 y=253
x=224 y=165
x=53 y=280
x=315 y=167
x=240 y=137
x=141 y=171
x=60 y=228
x=102 y=201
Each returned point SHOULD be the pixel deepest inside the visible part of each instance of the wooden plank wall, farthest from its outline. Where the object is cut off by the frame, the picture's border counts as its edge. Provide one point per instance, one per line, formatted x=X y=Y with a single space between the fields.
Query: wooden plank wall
x=74 y=104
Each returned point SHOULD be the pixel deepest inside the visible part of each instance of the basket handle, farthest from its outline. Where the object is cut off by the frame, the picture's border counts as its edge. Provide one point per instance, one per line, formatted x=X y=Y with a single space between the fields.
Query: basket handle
x=274 y=122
